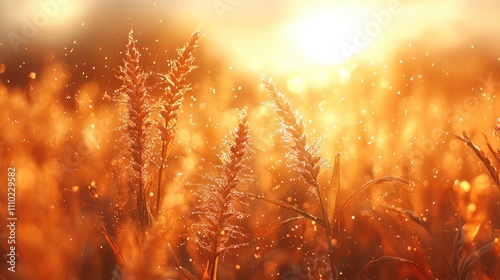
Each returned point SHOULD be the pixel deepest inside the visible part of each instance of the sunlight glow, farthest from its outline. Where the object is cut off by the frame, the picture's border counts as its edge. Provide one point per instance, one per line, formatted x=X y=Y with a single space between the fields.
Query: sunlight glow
x=320 y=37
x=296 y=85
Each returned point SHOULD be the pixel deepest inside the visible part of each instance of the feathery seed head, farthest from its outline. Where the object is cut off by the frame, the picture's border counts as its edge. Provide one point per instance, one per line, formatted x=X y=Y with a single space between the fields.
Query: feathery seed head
x=215 y=231
x=306 y=156
x=136 y=125
x=174 y=86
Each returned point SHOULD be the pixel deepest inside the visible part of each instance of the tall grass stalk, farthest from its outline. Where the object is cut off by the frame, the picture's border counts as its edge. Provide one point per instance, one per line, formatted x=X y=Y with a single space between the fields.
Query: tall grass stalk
x=216 y=232
x=307 y=159
x=136 y=129
x=174 y=86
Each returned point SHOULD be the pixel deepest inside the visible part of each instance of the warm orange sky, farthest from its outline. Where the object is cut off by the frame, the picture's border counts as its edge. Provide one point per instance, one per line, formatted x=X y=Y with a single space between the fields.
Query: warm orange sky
x=291 y=38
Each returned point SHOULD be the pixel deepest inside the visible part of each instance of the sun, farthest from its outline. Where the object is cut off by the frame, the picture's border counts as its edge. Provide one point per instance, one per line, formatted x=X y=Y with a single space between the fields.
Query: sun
x=321 y=38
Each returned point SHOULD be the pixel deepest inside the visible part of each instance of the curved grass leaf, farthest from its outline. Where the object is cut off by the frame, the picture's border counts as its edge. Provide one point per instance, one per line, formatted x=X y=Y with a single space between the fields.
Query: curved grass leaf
x=398 y=268
x=280 y=225
x=285 y=205
x=496 y=153
x=419 y=221
x=470 y=260
x=186 y=273
x=354 y=195
x=482 y=156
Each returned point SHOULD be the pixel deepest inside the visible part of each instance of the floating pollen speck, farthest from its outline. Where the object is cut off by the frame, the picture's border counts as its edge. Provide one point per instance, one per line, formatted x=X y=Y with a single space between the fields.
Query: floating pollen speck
x=32 y=75
x=106 y=96
x=2 y=68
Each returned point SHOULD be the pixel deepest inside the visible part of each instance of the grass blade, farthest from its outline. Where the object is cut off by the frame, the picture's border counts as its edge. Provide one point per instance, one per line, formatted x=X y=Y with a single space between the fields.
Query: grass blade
x=116 y=252
x=401 y=269
x=487 y=162
x=354 y=195
x=285 y=205
x=471 y=259
x=274 y=228
x=187 y=275
x=496 y=154
x=334 y=189
x=419 y=221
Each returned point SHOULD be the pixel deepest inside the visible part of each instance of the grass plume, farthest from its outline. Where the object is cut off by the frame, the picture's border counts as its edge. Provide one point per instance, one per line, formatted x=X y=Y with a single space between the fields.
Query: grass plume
x=292 y=125
x=215 y=231
x=136 y=128
x=174 y=86
x=308 y=162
